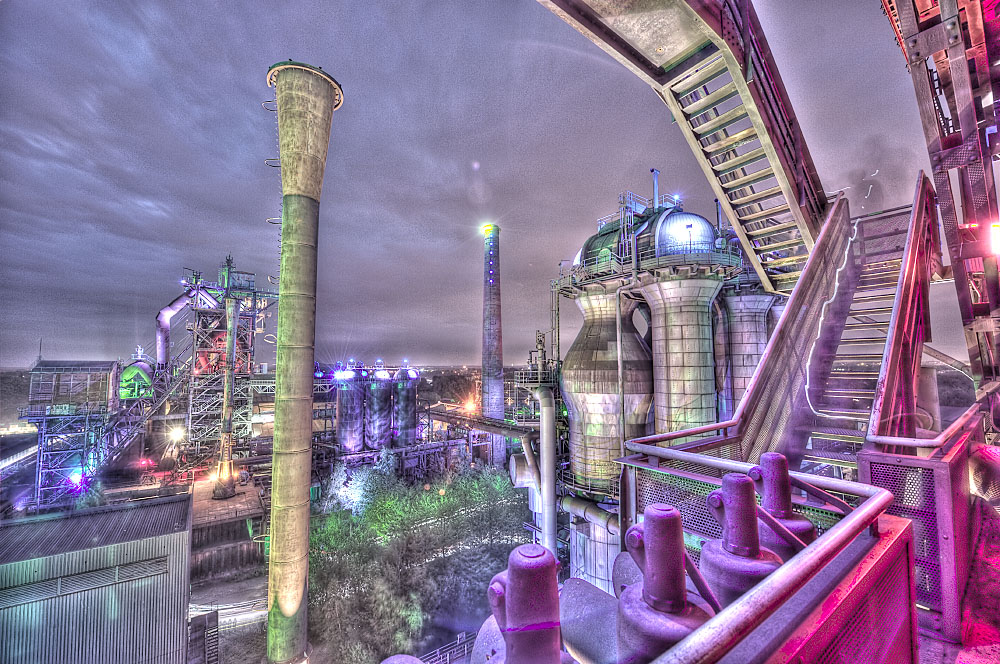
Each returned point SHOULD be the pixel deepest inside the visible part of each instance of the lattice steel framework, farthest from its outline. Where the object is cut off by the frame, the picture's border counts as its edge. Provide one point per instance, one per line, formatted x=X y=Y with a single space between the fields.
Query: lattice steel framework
x=205 y=391
x=952 y=49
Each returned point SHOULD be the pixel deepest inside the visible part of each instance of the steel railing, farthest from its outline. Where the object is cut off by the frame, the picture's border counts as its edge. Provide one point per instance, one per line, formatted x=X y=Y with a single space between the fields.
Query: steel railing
x=715 y=638
x=894 y=408
x=763 y=418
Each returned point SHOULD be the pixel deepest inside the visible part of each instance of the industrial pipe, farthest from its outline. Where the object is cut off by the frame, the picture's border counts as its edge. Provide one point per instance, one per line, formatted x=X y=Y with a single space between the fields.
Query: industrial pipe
x=306 y=98
x=225 y=480
x=485 y=424
x=591 y=512
x=163 y=326
x=547 y=463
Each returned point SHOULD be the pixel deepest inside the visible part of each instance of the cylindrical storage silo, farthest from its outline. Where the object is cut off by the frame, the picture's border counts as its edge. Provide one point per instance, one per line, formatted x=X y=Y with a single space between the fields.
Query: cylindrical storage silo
x=350 y=411
x=680 y=299
x=590 y=387
x=378 y=409
x=405 y=407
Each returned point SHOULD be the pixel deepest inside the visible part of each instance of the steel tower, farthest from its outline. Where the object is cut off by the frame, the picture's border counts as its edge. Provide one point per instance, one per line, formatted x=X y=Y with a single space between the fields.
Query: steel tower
x=492 y=396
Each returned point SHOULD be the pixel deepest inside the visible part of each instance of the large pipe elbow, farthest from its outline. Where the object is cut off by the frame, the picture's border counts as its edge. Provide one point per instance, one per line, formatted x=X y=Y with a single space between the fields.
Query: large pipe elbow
x=591 y=513
x=163 y=326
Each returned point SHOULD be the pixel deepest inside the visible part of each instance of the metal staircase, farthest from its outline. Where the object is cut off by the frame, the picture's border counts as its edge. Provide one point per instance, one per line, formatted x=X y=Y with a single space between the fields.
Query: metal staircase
x=711 y=65
x=844 y=402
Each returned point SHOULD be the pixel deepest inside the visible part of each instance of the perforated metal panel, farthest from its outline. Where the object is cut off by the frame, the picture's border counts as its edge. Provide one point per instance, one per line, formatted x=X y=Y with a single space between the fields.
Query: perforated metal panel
x=914 y=492
x=885 y=610
x=689 y=495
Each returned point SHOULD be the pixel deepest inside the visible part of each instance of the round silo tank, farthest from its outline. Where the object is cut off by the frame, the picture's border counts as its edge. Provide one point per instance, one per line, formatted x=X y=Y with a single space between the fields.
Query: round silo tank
x=405 y=406
x=350 y=410
x=589 y=384
x=378 y=409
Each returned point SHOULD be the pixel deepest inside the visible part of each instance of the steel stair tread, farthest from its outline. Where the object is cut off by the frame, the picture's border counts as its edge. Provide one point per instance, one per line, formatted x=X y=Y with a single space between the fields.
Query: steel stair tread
x=764 y=214
x=729 y=142
x=749 y=179
x=734 y=163
x=720 y=122
x=780 y=262
x=867 y=326
x=772 y=230
x=756 y=196
x=724 y=93
x=775 y=246
x=863 y=341
x=833 y=433
x=700 y=75
x=871 y=311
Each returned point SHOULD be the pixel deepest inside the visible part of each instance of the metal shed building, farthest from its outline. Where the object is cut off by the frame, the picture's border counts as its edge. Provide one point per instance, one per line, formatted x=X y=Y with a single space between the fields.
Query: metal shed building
x=102 y=585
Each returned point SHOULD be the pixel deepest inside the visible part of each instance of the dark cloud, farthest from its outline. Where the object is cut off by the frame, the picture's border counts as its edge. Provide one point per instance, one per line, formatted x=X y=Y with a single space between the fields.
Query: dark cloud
x=134 y=146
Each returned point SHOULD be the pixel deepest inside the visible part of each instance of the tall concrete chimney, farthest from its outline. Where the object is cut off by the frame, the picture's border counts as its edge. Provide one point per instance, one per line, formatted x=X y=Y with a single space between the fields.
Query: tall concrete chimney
x=306 y=98
x=492 y=377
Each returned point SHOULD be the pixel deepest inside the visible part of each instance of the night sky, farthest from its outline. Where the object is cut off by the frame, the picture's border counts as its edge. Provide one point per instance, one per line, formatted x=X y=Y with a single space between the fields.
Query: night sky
x=134 y=145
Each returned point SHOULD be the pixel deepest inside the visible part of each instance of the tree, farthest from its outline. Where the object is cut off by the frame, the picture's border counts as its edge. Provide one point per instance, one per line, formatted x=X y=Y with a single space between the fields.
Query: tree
x=381 y=569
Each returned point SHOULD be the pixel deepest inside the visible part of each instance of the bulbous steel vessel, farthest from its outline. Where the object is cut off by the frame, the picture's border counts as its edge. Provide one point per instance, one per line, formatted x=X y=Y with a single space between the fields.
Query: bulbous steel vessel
x=590 y=387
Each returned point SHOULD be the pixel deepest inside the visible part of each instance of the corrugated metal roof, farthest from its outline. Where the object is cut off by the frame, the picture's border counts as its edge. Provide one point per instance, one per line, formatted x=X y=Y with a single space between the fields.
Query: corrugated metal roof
x=81 y=366
x=53 y=534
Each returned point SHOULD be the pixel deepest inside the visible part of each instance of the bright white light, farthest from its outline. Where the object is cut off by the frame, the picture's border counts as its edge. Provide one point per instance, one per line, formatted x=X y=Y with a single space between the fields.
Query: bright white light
x=177 y=434
x=76 y=477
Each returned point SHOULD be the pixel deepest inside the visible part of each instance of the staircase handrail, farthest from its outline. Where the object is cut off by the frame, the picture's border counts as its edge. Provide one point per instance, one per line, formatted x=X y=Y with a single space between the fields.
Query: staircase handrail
x=894 y=406
x=831 y=237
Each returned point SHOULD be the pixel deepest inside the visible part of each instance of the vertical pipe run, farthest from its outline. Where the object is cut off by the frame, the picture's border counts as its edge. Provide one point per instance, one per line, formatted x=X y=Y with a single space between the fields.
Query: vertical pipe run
x=306 y=98
x=547 y=463
x=225 y=482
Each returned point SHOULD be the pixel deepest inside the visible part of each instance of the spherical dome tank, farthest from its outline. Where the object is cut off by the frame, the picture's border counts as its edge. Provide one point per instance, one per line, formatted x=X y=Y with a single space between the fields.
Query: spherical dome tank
x=599 y=248
x=680 y=232
x=136 y=381
x=405 y=406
